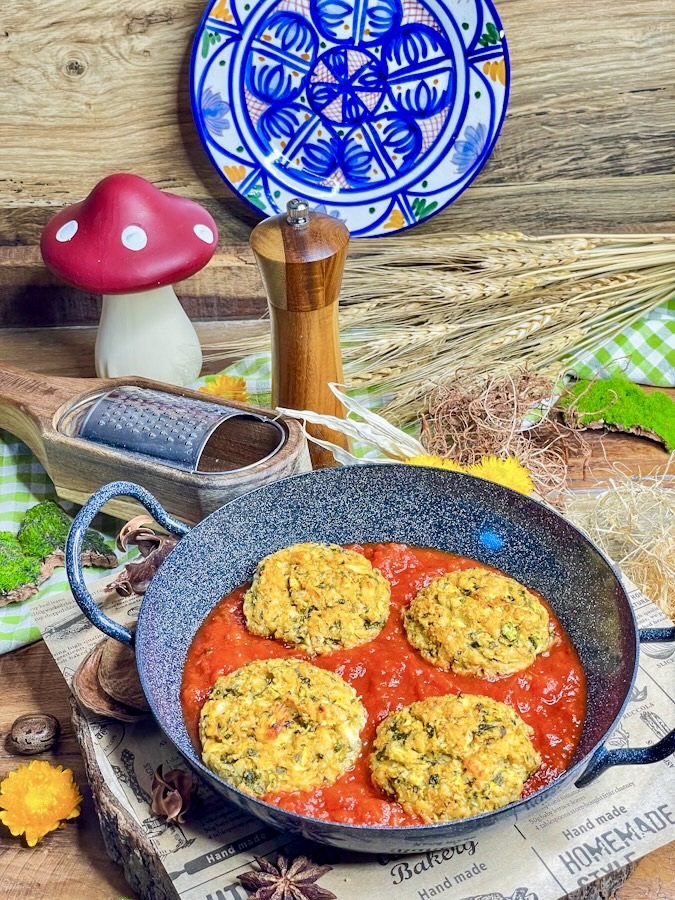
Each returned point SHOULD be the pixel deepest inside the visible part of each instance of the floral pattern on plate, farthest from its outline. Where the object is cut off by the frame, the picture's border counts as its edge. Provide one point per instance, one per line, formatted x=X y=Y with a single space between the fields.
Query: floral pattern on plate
x=381 y=112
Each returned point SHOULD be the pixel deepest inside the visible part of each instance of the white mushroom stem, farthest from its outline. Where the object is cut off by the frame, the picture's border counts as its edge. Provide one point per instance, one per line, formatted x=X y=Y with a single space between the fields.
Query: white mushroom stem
x=147 y=334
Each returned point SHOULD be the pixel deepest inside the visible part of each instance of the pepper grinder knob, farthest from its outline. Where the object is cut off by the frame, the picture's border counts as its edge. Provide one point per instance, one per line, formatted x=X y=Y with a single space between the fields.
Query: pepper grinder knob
x=297 y=213
x=301 y=255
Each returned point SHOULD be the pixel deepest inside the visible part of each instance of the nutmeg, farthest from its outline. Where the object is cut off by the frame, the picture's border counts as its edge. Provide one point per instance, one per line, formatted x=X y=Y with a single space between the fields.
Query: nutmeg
x=33 y=733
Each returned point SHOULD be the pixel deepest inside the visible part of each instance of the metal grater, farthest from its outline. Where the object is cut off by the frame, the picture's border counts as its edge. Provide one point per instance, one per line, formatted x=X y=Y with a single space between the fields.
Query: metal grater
x=162 y=426
x=192 y=451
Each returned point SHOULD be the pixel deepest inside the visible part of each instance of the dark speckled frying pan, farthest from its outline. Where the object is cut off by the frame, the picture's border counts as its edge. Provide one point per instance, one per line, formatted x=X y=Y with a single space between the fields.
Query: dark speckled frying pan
x=382 y=503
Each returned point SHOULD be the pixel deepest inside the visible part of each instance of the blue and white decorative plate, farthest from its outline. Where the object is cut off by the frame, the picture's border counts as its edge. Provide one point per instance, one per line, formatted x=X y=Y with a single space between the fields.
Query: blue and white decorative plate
x=379 y=112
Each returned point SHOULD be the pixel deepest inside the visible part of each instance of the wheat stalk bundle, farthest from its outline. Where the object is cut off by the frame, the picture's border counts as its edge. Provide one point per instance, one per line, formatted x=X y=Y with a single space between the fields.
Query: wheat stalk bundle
x=417 y=309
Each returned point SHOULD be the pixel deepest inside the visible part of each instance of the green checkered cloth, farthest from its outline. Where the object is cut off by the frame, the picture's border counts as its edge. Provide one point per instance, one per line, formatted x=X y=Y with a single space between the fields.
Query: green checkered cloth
x=257 y=373
x=25 y=483
x=646 y=352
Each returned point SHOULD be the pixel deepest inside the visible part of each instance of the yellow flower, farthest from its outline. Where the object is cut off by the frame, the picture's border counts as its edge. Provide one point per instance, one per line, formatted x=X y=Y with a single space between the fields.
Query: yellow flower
x=231 y=387
x=437 y=462
x=509 y=472
x=35 y=798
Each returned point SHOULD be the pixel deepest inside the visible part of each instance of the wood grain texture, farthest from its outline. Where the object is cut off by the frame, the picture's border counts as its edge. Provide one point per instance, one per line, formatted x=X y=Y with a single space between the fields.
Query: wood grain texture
x=126 y=843
x=627 y=453
x=52 y=351
x=588 y=143
x=44 y=412
x=305 y=357
x=30 y=296
x=302 y=269
x=70 y=862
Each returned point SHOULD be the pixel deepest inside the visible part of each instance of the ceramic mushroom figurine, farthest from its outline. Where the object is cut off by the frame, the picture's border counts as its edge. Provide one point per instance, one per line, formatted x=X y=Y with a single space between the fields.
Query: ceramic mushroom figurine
x=131 y=242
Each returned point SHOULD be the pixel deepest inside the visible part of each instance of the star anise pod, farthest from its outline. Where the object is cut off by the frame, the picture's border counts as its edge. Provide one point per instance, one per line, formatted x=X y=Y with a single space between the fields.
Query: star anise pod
x=286 y=881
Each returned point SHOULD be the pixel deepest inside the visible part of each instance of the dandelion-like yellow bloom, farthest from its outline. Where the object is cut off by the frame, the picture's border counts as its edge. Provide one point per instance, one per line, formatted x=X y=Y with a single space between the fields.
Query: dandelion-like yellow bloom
x=508 y=472
x=231 y=387
x=36 y=798
x=436 y=462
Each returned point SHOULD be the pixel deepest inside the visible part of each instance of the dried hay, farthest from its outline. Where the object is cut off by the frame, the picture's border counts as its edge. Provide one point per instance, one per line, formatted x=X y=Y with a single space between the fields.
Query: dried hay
x=633 y=522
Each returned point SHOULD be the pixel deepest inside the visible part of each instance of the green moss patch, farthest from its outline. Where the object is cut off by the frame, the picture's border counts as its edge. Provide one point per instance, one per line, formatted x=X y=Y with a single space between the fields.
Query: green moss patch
x=43 y=532
x=16 y=568
x=619 y=403
x=44 y=529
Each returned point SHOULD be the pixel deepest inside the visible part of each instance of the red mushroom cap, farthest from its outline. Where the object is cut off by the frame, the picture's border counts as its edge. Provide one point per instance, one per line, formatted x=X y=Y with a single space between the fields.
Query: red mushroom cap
x=128 y=236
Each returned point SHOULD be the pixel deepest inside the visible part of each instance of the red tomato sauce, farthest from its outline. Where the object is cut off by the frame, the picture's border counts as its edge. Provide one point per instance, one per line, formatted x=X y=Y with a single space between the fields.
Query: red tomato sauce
x=387 y=674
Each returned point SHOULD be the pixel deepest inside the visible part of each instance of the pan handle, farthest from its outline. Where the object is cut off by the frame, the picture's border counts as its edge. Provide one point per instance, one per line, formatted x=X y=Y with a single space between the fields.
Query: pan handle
x=78 y=529
x=603 y=759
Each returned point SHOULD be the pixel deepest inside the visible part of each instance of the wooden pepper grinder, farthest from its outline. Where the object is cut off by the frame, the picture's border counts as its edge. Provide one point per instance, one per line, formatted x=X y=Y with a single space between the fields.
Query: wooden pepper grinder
x=301 y=258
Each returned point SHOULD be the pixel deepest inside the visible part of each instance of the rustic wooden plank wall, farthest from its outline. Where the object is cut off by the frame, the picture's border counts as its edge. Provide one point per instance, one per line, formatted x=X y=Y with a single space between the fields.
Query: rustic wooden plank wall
x=87 y=89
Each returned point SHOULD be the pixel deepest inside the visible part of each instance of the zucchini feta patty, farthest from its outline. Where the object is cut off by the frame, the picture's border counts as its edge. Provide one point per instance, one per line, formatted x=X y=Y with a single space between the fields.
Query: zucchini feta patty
x=450 y=757
x=478 y=622
x=280 y=725
x=318 y=597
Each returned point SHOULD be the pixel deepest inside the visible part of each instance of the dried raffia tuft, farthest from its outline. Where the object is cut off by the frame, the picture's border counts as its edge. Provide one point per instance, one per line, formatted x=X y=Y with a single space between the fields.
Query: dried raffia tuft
x=476 y=415
x=477 y=425
x=633 y=521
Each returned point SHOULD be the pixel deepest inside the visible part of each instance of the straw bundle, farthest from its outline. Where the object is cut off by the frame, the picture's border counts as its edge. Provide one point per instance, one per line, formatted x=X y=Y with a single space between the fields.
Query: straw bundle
x=416 y=309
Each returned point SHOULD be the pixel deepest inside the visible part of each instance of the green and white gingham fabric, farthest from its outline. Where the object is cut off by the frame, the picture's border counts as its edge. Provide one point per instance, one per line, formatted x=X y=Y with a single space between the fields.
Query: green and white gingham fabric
x=646 y=352
x=257 y=373
x=24 y=483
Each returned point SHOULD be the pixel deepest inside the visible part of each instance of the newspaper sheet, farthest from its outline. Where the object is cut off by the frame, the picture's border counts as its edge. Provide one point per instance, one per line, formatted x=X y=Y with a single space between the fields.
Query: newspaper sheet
x=570 y=840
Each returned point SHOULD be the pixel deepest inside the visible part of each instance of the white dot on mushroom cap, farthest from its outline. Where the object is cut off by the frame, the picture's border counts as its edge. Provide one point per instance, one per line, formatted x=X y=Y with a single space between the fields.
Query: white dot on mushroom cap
x=204 y=233
x=67 y=231
x=134 y=238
